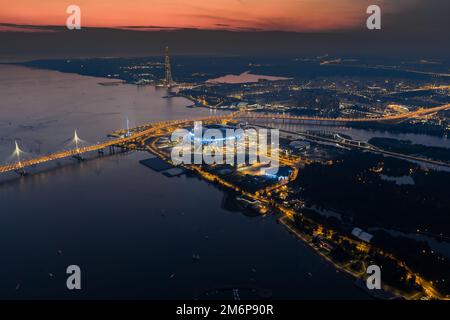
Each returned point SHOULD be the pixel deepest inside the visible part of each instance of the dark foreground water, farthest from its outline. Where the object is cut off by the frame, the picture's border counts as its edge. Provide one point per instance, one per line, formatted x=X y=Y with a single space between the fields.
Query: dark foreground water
x=131 y=230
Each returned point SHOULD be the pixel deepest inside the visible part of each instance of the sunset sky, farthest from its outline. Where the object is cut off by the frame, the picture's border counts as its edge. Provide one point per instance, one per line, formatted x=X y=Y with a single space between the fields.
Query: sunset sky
x=288 y=15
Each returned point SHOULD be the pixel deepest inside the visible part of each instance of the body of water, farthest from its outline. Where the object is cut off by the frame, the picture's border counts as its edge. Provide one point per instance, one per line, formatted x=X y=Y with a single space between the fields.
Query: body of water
x=365 y=135
x=132 y=231
x=245 y=77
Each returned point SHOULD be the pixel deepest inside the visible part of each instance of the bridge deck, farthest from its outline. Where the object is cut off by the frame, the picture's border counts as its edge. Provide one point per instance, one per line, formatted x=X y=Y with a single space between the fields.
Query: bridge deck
x=157 y=126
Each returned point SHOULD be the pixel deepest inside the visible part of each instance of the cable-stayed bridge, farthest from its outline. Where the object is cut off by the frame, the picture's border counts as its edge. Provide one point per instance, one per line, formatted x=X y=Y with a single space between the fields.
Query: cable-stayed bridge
x=130 y=136
x=137 y=133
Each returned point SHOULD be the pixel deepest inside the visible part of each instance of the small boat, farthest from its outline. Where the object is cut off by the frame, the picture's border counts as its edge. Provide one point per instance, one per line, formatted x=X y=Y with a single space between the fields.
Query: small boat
x=196 y=257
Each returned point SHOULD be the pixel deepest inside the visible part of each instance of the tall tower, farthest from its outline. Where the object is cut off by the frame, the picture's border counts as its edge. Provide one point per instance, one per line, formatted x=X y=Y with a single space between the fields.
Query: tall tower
x=168 y=81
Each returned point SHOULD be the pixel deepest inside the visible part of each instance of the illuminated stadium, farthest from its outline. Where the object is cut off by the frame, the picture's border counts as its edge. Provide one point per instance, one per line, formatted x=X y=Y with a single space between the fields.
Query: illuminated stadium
x=214 y=133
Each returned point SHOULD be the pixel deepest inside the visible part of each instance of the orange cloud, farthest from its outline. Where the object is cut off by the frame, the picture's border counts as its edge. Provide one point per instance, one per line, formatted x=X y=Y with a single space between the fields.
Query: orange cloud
x=289 y=15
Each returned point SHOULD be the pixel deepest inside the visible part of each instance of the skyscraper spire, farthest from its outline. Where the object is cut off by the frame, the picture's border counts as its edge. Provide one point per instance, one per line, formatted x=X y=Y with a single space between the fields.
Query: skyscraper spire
x=168 y=79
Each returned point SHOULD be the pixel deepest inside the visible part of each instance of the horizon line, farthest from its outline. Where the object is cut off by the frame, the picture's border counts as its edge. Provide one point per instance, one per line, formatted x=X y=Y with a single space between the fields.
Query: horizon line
x=25 y=28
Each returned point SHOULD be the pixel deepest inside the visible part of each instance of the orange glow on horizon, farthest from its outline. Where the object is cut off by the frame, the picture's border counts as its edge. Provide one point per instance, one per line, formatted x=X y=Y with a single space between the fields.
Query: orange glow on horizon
x=287 y=15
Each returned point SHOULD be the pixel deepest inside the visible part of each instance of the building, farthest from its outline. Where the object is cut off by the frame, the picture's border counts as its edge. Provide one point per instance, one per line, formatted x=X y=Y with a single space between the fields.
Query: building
x=300 y=145
x=214 y=134
x=168 y=82
x=362 y=235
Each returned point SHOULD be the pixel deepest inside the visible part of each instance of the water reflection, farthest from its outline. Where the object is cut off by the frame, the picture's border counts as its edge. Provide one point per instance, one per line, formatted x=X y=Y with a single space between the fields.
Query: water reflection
x=132 y=231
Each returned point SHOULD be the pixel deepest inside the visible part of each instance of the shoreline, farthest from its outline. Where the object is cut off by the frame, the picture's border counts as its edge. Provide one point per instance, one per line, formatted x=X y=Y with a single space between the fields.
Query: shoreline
x=337 y=267
x=328 y=260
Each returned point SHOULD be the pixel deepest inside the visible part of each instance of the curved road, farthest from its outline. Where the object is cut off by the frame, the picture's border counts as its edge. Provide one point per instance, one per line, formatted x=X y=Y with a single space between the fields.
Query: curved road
x=152 y=128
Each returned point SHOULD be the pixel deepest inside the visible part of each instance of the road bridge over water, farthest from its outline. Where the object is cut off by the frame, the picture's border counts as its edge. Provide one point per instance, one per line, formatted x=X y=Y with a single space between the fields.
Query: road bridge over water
x=149 y=130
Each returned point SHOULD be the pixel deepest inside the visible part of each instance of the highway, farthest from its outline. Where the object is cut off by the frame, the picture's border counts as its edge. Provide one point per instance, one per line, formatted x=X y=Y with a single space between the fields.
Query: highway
x=139 y=135
x=397 y=117
x=150 y=129
x=366 y=147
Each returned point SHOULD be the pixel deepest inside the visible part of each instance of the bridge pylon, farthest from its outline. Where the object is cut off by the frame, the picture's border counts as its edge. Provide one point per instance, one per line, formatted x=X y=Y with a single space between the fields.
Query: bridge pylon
x=17 y=152
x=20 y=170
x=77 y=141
